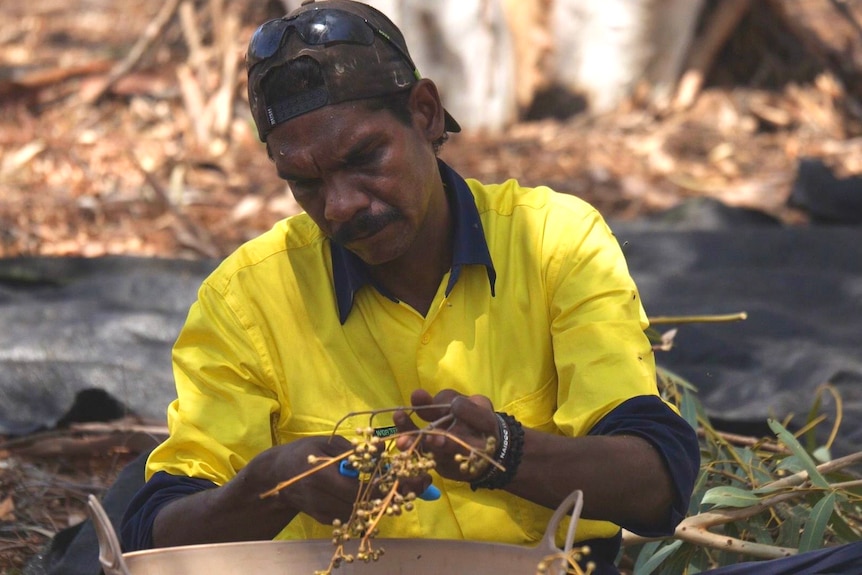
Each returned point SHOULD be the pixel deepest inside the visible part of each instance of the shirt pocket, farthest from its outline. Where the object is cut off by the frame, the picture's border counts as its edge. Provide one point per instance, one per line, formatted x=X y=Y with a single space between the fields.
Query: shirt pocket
x=535 y=409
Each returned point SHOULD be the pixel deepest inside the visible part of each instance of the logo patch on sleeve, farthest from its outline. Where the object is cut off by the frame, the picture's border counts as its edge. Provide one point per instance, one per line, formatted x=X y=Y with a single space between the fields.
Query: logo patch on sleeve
x=385 y=431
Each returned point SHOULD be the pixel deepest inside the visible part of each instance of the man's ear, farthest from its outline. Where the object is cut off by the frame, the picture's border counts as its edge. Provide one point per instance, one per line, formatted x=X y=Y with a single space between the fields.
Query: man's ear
x=427 y=109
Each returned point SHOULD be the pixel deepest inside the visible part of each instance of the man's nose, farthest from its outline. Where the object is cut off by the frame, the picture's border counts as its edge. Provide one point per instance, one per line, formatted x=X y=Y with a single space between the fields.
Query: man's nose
x=344 y=199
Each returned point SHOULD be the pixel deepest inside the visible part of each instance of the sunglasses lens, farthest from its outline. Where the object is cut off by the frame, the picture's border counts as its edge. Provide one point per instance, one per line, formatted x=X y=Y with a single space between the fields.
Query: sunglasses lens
x=317 y=28
x=330 y=27
x=265 y=41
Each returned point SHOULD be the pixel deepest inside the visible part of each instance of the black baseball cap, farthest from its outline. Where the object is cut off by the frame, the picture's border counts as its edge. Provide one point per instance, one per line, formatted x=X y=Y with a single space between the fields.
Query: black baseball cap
x=361 y=53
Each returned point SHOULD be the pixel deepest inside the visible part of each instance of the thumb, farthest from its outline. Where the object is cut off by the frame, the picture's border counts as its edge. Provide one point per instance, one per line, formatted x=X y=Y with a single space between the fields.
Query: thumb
x=404 y=425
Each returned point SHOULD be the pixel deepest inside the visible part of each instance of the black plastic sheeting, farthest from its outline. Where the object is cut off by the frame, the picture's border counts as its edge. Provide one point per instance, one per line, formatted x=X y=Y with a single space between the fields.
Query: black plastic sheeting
x=100 y=330
x=93 y=329
x=802 y=291
x=89 y=339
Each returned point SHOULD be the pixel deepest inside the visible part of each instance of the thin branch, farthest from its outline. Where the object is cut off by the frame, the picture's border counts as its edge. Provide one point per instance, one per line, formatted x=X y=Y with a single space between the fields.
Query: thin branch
x=372 y=412
x=694 y=529
x=725 y=543
x=721 y=25
x=659 y=320
x=745 y=440
x=188 y=233
x=802 y=476
x=153 y=31
x=326 y=463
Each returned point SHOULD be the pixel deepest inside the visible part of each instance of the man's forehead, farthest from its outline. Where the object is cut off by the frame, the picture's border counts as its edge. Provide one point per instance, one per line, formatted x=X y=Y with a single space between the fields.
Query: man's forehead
x=332 y=133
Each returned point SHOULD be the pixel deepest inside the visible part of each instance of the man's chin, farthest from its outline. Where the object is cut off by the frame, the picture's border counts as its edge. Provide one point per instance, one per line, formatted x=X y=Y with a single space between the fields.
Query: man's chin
x=375 y=253
x=372 y=257
x=376 y=249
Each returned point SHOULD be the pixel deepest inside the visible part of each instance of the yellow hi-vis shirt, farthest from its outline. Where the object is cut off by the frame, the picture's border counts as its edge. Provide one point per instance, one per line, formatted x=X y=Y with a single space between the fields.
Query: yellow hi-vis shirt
x=263 y=358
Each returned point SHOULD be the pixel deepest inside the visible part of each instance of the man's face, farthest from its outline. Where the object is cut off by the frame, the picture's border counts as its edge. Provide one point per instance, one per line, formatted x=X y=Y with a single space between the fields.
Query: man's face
x=364 y=177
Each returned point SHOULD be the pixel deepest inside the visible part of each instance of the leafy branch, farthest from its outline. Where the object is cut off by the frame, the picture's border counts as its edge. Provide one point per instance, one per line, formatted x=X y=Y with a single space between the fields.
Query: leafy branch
x=755 y=498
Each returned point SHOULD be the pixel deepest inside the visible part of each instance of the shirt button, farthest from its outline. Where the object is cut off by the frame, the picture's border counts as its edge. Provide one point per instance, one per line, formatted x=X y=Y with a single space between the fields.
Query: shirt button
x=426 y=338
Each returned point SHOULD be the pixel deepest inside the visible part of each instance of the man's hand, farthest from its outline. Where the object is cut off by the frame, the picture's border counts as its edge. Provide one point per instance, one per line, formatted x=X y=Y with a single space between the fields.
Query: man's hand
x=237 y=512
x=324 y=495
x=473 y=421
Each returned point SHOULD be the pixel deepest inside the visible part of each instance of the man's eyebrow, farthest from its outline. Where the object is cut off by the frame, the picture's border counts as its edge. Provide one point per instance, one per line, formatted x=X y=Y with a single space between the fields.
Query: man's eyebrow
x=361 y=147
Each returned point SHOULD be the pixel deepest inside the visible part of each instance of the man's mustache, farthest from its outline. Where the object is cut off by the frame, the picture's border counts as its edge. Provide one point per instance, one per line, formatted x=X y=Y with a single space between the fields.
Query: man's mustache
x=364 y=225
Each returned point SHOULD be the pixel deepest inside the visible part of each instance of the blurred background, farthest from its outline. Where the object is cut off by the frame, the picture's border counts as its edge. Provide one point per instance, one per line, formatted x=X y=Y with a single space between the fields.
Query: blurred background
x=125 y=131
x=124 y=127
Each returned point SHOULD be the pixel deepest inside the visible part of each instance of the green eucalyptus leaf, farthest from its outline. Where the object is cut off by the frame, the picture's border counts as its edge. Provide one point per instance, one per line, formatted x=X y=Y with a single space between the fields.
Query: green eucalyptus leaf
x=815 y=527
x=728 y=496
x=688 y=409
x=700 y=488
x=766 y=489
x=790 y=464
x=811 y=435
x=822 y=454
x=657 y=558
x=647 y=551
x=791 y=528
x=676 y=380
x=699 y=562
x=842 y=529
x=678 y=562
x=759 y=531
x=794 y=446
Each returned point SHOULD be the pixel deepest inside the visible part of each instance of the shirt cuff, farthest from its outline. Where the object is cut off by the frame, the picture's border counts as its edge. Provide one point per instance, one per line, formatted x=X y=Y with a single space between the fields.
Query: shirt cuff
x=136 y=527
x=676 y=441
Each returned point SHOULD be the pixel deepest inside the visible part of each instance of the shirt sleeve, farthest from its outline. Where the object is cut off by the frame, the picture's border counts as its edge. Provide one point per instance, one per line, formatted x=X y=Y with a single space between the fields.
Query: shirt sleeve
x=601 y=353
x=222 y=416
x=649 y=418
x=136 y=527
x=605 y=362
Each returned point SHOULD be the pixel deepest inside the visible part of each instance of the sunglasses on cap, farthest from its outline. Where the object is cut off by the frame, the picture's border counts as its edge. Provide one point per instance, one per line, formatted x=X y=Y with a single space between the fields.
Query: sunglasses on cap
x=318 y=27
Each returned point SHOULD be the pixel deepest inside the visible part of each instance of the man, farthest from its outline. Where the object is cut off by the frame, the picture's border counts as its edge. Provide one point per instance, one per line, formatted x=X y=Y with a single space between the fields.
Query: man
x=404 y=284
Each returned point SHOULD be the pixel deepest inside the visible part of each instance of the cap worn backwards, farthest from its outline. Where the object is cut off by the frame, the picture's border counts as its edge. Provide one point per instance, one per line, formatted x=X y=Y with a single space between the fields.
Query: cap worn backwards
x=360 y=52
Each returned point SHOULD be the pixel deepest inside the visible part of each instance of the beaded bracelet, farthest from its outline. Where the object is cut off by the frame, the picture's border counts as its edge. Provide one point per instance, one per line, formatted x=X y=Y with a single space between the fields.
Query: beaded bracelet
x=508 y=454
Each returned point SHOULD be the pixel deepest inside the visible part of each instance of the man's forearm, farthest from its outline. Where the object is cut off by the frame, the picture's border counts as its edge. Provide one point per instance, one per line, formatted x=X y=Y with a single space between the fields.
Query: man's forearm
x=233 y=512
x=624 y=479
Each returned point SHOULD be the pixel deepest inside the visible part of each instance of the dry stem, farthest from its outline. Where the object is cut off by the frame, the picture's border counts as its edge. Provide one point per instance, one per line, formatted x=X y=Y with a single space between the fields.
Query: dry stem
x=694 y=529
x=386 y=476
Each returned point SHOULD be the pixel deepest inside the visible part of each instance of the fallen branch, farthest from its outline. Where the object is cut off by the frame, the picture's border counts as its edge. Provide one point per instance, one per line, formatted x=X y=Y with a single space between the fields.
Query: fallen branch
x=41 y=79
x=721 y=25
x=695 y=529
x=152 y=32
x=188 y=233
x=87 y=439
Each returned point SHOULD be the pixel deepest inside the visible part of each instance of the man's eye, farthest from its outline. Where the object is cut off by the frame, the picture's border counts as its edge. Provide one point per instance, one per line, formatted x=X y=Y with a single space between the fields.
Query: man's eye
x=366 y=159
x=303 y=187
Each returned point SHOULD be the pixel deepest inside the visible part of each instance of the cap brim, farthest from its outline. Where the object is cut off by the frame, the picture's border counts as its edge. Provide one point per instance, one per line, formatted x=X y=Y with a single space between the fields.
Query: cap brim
x=451 y=125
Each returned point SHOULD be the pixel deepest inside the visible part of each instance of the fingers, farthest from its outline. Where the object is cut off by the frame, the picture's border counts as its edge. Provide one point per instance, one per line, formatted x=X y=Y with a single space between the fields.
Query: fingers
x=324 y=494
x=477 y=411
x=404 y=425
x=415 y=485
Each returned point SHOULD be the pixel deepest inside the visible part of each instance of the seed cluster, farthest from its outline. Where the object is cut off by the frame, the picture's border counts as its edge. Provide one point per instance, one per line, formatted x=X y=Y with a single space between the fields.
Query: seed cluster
x=381 y=469
x=476 y=462
x=573 y=562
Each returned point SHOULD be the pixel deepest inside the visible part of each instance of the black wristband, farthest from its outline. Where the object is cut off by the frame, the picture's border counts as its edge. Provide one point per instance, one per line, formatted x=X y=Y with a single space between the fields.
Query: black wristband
x=508 y=455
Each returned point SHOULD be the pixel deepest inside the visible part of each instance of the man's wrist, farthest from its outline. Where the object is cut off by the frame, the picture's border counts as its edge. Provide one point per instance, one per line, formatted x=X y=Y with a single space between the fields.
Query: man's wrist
x=508 y=455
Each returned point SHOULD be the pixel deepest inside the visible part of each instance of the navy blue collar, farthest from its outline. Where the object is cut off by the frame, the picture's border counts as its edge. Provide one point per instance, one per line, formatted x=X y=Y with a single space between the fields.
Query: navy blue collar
x=469 y=248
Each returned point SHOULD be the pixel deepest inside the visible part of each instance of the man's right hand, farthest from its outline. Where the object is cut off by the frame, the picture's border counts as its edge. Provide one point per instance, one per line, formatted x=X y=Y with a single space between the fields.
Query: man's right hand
x=237 y=512
x=325 y=494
